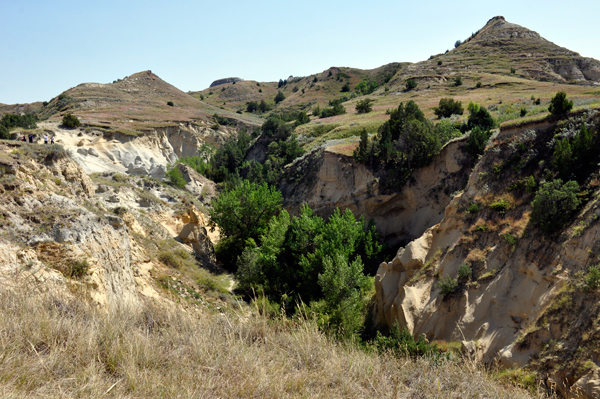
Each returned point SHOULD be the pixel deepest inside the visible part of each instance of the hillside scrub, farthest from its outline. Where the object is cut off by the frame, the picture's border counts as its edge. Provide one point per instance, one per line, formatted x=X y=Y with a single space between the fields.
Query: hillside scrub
x=559 y=105
x=448 y=107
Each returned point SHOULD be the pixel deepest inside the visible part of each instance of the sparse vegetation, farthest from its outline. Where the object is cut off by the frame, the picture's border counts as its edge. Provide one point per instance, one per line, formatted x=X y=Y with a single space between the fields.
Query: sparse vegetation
x=447 y=285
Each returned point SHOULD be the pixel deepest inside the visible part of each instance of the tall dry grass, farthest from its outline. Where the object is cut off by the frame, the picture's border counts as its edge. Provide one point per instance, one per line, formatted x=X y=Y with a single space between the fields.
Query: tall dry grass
x=58 y=348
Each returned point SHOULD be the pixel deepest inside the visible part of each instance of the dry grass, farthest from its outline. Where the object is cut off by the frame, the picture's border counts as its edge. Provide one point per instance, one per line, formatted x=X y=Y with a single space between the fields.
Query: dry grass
x=51 y=347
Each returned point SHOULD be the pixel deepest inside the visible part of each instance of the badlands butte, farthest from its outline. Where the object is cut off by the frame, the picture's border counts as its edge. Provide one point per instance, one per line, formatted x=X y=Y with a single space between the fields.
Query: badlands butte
x=420 y=229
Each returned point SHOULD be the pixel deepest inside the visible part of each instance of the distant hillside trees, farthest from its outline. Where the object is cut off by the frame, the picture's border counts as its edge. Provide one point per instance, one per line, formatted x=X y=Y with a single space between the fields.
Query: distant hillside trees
x=70 y=120
x=448 y=107
x=254 y=106
x=346 y=88
x=27 y=121
x=366 y=87
x=559 y=105
x=411 y=84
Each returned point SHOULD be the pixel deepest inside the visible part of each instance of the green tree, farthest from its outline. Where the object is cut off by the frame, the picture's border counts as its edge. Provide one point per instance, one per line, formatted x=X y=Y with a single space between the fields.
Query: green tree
x=279 y=97
x=559 y=105
x=243 y=213
x=361 y=153
x=554 y=204
x=458 y=81
x=479 y=116
x=346 y=88
x=364 y=106
x=448 y=107
x=477 y=141
x=563 y=156
x=70 y=120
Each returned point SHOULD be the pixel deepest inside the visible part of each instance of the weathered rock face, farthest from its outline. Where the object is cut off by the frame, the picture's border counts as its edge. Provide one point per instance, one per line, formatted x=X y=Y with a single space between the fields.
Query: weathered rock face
x=522 y=294
x=195 y=234
x=60 y=233
x=326 y=180
x=200 y=186
x=148 y=154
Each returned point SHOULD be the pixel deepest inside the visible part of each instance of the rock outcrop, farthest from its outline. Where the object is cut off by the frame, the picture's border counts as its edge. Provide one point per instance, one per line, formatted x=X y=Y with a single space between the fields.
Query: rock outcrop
x=219 y=82
x=327 y=180
x=195 y=234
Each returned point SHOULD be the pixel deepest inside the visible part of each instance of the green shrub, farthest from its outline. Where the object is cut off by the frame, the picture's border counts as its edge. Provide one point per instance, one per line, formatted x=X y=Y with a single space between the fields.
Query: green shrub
x=170 y=103
x=364 y=106
x=592 y=279
x=448 y=107
x=538 y=101
x=530 y=184
x=500 y=206
x=411 y=84
x=465 y=272
x=513 y=71
x=510 y=239
x=559 y=105
x=70 y=120
x=447 y=285
x=458 y=81
x=169 y=259
x=316 y=111
x=478 y=84
x=523 y=111
x=473 y=208
x=554 y=204
x=176 y=177
x=346 y=88
x=401 y=343
x=440 y=62
x=78 y=268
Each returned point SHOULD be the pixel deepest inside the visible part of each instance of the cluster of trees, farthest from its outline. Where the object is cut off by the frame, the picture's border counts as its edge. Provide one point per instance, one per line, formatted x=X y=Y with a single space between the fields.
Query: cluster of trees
x=366 y=87
x=254 y=106
x=228 y=163
x=291 y=260
x=405 y=142
x=448 y=107
x=10 y=121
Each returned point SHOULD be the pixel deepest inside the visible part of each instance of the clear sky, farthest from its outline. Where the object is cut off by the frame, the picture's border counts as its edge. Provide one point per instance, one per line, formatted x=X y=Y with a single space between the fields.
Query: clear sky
x=47 y=47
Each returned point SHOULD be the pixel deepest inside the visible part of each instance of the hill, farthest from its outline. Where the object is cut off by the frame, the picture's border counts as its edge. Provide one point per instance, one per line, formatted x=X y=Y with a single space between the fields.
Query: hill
x=503 y=66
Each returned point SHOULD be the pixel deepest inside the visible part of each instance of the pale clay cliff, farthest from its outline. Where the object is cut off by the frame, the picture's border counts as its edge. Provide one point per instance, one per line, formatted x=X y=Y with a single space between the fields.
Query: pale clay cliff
x=53 y=215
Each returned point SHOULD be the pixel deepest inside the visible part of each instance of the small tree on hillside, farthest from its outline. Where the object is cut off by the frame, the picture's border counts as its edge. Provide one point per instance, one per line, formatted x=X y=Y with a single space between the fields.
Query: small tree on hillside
x=70 y=120
x=279 y=97
x=554 y=204
x=559 y=105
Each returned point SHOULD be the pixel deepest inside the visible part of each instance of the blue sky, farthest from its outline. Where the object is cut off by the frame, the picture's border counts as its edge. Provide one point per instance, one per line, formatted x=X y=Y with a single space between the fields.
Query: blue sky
x=47 y=47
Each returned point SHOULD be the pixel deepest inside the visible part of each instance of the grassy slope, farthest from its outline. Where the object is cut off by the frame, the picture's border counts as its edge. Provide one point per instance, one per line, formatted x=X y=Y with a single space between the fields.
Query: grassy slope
x=159 y=352
x=134 y=104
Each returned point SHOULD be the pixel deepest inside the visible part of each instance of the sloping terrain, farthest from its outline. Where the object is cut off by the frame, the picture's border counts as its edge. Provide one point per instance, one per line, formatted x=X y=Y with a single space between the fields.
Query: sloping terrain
x=134 y=104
